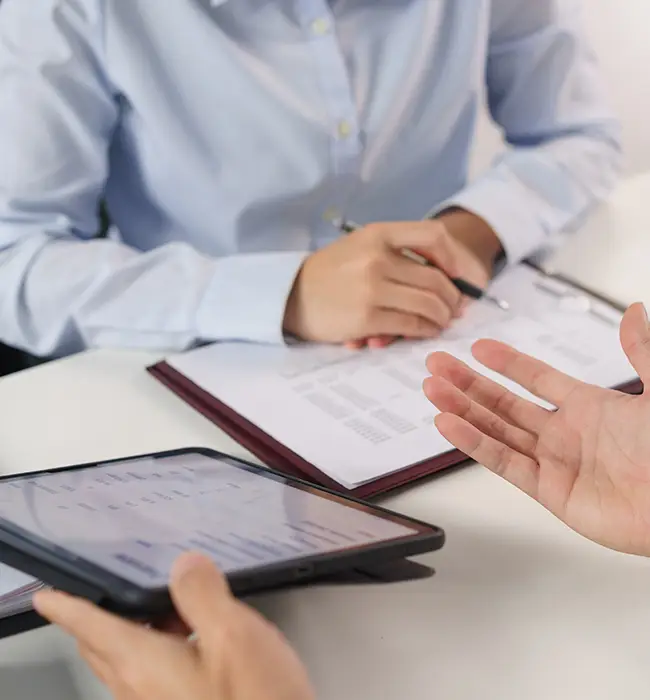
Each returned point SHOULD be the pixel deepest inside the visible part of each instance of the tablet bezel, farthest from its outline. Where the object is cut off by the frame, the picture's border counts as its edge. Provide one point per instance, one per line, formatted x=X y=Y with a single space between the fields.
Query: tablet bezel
x=62 y=569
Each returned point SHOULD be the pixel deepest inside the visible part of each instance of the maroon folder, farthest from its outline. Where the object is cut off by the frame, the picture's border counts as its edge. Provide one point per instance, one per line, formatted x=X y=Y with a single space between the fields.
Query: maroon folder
x=279 y=457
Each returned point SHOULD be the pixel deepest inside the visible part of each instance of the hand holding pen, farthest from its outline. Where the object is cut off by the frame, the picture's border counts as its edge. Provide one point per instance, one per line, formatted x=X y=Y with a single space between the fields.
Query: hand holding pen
x=364 y=286
x=463 y=286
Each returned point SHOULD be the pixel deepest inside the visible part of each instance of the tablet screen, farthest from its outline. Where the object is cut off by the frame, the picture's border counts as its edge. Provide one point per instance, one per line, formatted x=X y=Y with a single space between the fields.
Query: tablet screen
x=134 y=518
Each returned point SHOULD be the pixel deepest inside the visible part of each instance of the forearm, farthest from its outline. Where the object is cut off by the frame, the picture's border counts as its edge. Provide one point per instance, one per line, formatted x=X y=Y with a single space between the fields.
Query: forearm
x=64 y=295
x=532 y=195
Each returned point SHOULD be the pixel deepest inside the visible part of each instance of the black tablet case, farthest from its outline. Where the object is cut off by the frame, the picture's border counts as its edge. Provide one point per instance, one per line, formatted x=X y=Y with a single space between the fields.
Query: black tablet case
x=397 y=571
x=23 y=622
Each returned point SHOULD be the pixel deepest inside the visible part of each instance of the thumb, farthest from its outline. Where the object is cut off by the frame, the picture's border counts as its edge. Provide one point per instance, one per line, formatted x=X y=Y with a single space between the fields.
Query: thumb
x=200 y=593
x=635 y=339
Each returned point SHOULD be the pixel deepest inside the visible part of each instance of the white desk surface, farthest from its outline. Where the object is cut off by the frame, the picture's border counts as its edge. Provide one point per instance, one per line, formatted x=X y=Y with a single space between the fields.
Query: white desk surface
x=612 y=252
x=520 y=607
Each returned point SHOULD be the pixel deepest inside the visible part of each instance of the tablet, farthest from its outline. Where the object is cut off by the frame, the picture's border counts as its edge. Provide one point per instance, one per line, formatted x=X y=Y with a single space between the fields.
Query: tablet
x=111 y=531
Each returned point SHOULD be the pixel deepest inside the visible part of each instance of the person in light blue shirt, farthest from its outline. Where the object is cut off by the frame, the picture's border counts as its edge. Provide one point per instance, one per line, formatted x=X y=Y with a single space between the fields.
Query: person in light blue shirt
x=224 y=136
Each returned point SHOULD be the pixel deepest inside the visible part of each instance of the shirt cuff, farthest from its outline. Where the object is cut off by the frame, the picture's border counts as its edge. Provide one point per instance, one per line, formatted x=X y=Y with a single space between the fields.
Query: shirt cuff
x=246 y=297
x=523 y=216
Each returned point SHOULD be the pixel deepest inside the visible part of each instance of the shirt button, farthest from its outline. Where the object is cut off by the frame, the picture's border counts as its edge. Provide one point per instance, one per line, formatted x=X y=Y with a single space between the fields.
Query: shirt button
x=320 y=26
x=344 y=129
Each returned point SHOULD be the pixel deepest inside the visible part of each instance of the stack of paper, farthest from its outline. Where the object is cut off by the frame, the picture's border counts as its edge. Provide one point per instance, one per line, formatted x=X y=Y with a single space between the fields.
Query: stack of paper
x=16 y=591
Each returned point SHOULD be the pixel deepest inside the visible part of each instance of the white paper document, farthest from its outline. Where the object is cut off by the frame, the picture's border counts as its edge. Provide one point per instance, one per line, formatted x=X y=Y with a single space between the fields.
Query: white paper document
x=358 y=416
x=12 y=580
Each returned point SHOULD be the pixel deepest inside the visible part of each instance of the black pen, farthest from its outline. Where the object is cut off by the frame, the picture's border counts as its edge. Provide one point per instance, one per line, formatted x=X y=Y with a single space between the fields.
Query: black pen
x=463 y=286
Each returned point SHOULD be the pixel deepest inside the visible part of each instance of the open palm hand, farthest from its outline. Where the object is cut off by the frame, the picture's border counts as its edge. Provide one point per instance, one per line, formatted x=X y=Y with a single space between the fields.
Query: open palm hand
x=588 y=462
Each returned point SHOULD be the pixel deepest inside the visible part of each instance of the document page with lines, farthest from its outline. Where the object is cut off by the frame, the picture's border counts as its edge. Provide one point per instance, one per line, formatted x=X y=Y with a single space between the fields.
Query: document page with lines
x=358 y=416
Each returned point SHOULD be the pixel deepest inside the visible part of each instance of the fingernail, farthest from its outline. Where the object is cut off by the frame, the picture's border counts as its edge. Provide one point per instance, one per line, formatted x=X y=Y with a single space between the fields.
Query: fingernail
x=645 y=314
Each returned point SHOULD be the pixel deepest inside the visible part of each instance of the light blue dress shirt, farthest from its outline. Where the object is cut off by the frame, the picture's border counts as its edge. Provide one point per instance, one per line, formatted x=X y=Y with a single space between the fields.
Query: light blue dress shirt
x=224 y=134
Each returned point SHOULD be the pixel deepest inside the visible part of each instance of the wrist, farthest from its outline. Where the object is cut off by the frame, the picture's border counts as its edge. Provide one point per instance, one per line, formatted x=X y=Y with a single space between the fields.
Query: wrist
x=475 y=234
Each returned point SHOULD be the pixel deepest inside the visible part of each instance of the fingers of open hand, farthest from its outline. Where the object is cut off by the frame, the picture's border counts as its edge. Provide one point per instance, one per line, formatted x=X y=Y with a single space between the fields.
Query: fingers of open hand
x=449 y=399
x=492 y=396
x=537 y=377
x=635 y=339
x=518 y=469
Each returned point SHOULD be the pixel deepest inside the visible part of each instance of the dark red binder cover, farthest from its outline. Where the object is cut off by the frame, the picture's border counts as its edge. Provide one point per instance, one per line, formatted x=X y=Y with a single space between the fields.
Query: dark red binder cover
x=279 y=457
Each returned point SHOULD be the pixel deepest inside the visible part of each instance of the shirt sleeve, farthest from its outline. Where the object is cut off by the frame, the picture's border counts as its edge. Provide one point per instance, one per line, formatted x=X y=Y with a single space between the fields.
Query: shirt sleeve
x=546 y=93
x=62 y=289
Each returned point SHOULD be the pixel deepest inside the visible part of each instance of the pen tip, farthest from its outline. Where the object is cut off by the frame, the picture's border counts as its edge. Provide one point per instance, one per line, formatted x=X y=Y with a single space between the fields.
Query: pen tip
x=503 y=305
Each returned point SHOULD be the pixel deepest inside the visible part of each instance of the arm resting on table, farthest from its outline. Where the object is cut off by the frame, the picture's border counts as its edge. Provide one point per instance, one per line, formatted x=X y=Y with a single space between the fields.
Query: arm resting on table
x=61 y=289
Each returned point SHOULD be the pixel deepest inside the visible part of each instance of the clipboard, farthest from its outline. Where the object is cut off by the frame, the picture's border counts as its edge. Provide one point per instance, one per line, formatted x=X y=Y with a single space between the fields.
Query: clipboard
x=281 y=458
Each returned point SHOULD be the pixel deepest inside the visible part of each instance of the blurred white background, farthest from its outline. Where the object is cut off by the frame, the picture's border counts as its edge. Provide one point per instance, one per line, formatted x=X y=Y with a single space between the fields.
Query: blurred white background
x=619 y=31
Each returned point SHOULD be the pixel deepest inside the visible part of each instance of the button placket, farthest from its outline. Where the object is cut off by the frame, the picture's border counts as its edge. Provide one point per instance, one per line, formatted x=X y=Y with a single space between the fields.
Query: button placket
x=336 y=89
